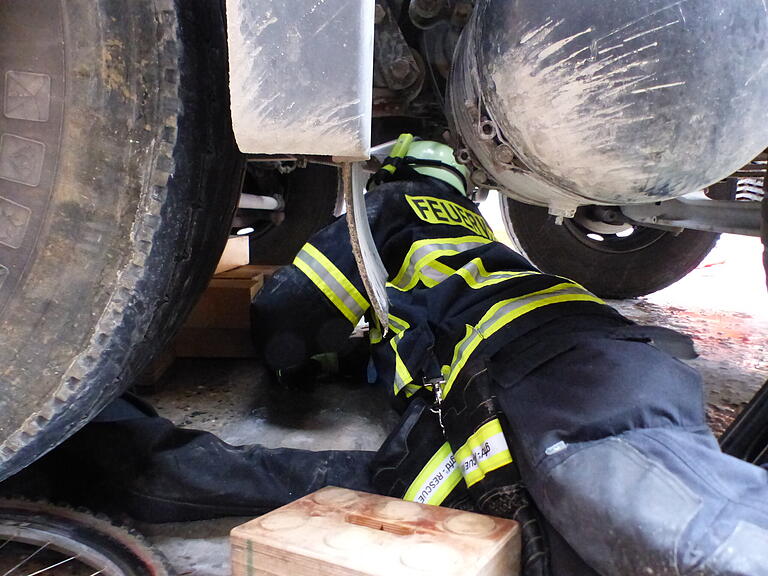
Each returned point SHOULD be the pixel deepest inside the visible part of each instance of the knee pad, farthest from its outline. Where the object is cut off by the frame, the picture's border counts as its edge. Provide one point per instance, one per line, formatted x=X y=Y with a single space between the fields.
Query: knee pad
x=625 y=513
x=620 y=511
x=744 y=553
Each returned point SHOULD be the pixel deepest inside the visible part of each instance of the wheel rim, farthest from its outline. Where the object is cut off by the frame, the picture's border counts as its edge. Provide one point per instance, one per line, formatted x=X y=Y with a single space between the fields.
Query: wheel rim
x=45 y=543
x=64 y=558
x=610 y=238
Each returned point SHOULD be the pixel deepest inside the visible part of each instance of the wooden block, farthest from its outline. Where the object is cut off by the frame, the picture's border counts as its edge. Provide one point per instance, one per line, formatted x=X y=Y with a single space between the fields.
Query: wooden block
x=338 y=532
x=220 y=324
x=192 y=342
x=236 y=253
x=250 y=271
x=226 y=303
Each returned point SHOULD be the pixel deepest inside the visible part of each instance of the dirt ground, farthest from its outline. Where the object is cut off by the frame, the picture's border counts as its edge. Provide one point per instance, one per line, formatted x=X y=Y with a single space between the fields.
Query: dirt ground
x=723 y=305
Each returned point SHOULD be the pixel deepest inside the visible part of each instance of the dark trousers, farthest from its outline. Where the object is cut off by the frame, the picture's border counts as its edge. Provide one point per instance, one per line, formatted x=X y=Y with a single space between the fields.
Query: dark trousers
x=611 y=440
x=130 y=460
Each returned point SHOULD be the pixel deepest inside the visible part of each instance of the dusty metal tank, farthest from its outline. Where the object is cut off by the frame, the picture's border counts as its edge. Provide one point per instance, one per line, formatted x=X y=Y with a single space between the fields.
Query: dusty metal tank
x=571 y=102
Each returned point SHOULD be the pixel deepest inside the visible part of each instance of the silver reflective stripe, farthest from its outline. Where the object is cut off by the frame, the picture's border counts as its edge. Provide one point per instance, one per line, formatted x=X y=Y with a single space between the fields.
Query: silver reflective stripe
x=333 y=284
x=467 y=345
x=486 y=328
x=479 y=279
x=399 y=383
x=397 y=324
x=423 y=252
x=429 y=272
x=402 y=375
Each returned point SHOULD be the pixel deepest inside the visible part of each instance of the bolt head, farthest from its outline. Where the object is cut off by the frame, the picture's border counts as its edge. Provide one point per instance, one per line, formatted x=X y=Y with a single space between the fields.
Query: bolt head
x=504 y=154
x=479 y=177
x=400 y=68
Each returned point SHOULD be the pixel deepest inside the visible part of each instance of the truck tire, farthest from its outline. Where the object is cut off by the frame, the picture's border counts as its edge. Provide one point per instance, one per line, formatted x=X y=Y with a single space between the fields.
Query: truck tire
x=118 y=180
x=612 y=266
x=747 y=436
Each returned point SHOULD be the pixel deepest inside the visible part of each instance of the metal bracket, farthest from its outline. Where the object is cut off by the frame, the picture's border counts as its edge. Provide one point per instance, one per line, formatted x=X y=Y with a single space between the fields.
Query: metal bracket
x=699 y=213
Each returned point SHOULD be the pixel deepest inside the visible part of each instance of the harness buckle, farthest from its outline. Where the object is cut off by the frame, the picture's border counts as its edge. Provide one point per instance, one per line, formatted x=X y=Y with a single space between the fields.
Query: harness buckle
x=437 y=408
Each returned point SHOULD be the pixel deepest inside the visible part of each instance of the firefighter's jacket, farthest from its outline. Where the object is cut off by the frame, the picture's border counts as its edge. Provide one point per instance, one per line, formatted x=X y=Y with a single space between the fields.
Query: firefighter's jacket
x=456 y=294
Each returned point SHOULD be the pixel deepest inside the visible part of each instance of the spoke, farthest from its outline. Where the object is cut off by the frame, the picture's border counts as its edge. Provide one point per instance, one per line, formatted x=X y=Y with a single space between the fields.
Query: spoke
x=27 y=559
x=97 y=573
x=4 y=544
x=53 y=566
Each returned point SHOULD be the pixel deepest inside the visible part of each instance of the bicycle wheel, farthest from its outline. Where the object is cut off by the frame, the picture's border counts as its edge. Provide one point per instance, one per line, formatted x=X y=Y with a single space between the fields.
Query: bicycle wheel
x=38 y=539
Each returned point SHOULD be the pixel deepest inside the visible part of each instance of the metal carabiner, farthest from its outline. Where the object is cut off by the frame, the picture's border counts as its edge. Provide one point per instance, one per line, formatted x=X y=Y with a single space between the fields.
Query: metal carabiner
x=437 y=407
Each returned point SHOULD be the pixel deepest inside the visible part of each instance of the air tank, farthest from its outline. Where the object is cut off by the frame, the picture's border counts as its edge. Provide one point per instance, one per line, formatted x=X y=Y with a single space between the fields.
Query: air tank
x=568 y=102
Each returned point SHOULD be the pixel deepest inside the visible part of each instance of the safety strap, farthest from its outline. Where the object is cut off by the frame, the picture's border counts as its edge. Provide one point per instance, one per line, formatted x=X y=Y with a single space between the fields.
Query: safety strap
x=399 y=166
x=392 y=163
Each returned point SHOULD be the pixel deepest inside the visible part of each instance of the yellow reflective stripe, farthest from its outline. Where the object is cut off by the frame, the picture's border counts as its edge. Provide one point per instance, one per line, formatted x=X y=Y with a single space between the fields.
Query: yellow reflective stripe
x=374 y=334
x=402 y=376
x=411 y=389
x=430 y=275
x=505 y=312
x=374 y=330
x=398 y=325
x=477 y=277
x=485 y=451
x=423 y=252
x=475 y=274
x=337 y=274
x=440 y=272
x=436 y=480
x=403 y=379
x=332 y=283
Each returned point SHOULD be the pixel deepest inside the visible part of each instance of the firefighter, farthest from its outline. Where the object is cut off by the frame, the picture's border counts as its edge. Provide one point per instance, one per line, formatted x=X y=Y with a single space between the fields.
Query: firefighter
x=522 y=395
x=515 y=383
